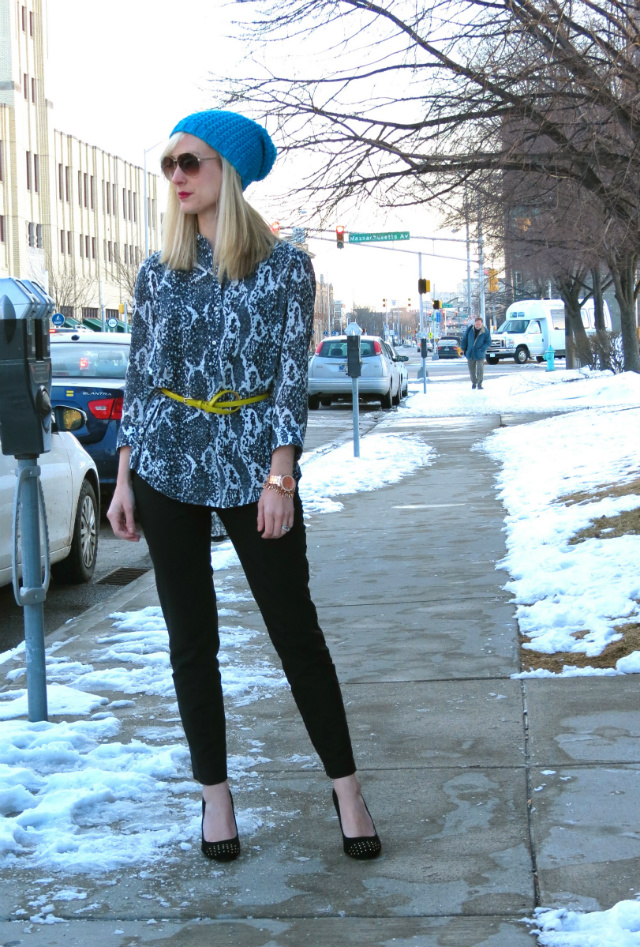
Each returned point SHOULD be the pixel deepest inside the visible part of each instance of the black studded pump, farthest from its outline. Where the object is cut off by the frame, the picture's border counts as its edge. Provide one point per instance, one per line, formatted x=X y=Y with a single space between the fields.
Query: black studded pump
x=226 y=850
x=362 y=846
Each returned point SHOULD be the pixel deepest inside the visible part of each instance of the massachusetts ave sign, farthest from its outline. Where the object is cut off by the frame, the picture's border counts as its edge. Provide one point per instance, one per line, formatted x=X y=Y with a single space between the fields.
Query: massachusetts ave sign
x=371 y=237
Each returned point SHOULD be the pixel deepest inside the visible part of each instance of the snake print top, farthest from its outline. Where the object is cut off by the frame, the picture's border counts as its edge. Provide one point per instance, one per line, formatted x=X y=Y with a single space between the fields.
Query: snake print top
x=195 y=337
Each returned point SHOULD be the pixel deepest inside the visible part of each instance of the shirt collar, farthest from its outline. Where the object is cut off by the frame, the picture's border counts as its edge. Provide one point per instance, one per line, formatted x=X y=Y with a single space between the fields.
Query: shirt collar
x=205 y=253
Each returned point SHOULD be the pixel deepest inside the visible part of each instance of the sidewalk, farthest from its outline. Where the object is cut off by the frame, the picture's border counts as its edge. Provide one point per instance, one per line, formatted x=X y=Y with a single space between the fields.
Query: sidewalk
x=452 y=753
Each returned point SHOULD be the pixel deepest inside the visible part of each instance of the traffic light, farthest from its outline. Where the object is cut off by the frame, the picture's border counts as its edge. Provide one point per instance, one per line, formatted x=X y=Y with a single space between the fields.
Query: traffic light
x=409 y=303
x=340 y=237
x=493 y=281
x=424 y=286
x=275 y=228
x=384 y=303
x=437 y=304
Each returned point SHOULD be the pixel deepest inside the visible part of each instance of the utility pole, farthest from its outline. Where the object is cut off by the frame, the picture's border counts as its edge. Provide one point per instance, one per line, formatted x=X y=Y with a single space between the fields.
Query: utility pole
x=481 y=263
x=466 y=216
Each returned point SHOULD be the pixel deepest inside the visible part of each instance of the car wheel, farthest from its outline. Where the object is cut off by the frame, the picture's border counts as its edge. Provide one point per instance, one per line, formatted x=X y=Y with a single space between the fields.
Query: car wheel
x=325 y=402
x=387 y=400
x=398 y=396
x=522 y=355
x=81 y=561
x=314 y=402
x=492 y=359
x=539 y=358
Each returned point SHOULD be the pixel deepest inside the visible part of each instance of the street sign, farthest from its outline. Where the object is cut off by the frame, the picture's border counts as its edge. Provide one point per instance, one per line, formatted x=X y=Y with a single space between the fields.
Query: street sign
x=372 y=237
x=57 y=319
x=112 y=322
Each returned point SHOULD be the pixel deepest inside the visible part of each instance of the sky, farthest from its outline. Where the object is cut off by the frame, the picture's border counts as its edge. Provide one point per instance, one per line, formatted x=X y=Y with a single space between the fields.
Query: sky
x=121 y=74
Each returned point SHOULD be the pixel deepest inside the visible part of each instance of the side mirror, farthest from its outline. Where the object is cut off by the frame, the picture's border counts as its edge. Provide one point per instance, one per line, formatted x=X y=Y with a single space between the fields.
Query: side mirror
x=403 y=358
x=68 y=419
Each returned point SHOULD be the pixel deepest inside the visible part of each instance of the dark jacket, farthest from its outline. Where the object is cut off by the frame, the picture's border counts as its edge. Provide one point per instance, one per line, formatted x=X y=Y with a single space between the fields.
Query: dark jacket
x=475 y=348
x=196 y=337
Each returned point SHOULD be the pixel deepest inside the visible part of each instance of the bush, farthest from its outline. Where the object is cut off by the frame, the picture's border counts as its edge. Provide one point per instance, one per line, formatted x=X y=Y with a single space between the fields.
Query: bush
x=603 y=352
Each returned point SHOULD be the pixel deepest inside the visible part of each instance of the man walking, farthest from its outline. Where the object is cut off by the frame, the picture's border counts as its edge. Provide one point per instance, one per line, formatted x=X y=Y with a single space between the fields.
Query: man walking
x=475 y=342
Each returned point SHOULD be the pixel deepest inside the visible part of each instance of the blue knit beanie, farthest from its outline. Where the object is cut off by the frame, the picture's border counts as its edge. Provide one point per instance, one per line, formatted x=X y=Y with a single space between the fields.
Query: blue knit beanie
x=244 y=143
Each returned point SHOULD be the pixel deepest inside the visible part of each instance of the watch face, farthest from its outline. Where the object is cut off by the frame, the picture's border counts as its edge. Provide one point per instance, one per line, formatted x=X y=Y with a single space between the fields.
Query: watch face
x=288 y=483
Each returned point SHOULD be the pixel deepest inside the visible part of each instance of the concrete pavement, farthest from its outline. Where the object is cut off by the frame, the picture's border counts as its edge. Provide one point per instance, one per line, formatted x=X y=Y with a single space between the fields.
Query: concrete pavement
x=491 y=795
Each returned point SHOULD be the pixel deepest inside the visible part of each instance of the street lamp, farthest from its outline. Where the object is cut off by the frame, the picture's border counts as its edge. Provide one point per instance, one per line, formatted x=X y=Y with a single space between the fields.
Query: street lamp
x=146 y=199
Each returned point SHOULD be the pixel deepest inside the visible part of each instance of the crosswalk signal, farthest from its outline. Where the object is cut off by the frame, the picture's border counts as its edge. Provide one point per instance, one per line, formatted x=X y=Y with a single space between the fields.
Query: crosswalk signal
x=340 y=237
x=493 y=281
x=424 y=286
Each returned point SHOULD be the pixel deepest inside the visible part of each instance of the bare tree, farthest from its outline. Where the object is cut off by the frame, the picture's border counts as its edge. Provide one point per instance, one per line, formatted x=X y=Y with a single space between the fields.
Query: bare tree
x=436 y=97
x=68 y=289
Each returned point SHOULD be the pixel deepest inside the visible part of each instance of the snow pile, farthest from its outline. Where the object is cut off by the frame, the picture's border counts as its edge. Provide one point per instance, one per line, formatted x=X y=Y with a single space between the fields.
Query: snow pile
x=564 y=591
x=617 y=927
x=384 y=459
x=532 y=392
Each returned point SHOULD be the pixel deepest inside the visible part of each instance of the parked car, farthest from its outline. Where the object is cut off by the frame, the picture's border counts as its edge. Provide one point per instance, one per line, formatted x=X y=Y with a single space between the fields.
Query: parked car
x=449 y=347
x=384 y=375
x=89 y=371
x=71 y=496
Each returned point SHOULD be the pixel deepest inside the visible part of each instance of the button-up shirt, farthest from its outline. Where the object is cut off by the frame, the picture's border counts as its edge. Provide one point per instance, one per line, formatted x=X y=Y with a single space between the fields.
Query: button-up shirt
x=196 y=337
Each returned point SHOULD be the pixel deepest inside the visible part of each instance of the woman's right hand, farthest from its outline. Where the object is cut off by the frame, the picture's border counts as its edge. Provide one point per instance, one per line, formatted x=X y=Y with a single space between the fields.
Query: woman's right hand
x=120 y=513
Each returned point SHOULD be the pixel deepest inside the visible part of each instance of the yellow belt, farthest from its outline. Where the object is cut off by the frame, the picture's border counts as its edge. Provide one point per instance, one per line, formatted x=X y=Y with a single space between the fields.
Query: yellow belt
x=215 y=405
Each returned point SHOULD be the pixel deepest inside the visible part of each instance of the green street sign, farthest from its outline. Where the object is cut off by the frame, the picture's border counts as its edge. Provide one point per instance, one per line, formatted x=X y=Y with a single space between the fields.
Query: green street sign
x=371 y=237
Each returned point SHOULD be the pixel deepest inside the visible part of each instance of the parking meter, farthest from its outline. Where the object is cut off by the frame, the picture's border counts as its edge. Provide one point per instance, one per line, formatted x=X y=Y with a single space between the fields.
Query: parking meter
x=25 y=423
x=423 y=348
x=354 y=362
x=25 y=368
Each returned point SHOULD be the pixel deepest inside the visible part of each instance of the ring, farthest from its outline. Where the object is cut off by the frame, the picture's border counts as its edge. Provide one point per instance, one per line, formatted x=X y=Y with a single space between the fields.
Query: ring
x=285 y=529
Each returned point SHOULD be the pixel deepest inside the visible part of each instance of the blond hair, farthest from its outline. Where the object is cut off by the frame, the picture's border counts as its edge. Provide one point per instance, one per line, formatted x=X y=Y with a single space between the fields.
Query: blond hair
x=243 y=237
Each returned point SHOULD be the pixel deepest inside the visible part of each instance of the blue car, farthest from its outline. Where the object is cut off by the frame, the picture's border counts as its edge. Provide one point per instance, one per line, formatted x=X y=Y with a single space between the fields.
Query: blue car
x=89 y=370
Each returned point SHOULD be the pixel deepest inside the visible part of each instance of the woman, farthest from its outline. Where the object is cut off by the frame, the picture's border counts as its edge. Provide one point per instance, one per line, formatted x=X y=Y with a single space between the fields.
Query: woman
x=213 y=422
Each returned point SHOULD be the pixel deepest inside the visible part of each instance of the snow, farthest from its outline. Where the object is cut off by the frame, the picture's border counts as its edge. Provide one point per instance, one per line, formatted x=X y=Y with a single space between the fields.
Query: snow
x=78 y=796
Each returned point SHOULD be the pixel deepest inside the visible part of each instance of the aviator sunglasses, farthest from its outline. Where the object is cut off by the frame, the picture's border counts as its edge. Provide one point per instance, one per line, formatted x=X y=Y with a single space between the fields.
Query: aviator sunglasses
x=189 y=164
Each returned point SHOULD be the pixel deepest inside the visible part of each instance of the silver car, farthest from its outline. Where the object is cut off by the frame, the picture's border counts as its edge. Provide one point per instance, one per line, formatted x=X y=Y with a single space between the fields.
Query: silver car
x=384 y=375
x=71 y=496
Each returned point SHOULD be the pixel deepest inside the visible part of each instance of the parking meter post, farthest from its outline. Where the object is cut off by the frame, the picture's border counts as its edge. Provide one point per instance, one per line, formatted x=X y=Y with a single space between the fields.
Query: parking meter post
x=354 y=370
x=34 y=590
x=423 y=354
x=25 y=419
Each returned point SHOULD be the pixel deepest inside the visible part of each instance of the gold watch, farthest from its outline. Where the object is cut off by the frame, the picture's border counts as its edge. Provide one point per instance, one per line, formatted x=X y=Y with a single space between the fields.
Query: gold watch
x=284 y=485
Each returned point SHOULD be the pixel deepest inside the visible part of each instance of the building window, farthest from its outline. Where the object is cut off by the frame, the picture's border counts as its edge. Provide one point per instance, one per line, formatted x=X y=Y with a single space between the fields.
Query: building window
x=85 y=189
x=31 y=234
x=114 y=203
x=69 y=244
x=62 y=247
x=60 y=180
x=25 y=85
x=1 y=150
x=90 y=312
x=39 y=236
x=91 y=185
x=30 y=24
x=135 y=208
x=124 y=203
x=93 y=248
x=80 y=243
x=107 y=192
x=80 y=188
x=36 y=172
x=109 y=248
x=24 y=19
x=67 y=182
x=1 y=228
x=86 y=247
x=28 y=170
x=129 y=194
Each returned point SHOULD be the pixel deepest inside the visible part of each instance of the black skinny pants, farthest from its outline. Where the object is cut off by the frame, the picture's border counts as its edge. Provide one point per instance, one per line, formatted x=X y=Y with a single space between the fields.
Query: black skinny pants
x=179 y=539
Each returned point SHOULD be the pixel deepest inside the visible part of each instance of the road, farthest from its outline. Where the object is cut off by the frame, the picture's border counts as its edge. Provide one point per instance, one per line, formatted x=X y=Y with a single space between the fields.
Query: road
x=119 y=562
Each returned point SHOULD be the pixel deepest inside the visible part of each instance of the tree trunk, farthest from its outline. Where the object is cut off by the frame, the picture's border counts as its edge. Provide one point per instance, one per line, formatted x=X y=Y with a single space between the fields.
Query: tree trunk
x=625 y=286
x=598 y=300
x=576 y=340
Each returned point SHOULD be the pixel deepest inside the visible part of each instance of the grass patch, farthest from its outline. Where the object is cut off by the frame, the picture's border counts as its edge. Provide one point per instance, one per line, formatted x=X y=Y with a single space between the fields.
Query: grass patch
x=601 y=493
x=630 y=642
x=608 y=527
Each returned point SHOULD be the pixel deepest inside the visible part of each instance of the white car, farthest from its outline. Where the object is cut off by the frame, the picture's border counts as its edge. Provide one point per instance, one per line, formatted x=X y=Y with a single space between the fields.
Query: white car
x=384 y=375
x=71 y=490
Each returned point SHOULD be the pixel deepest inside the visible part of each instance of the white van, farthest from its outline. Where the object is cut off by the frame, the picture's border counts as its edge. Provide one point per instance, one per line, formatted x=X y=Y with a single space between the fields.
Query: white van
x=532 y=325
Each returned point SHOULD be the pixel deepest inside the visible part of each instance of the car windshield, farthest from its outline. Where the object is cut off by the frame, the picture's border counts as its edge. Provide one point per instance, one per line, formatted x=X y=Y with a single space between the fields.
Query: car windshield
x=337 y=348
x=515 y=325
x=77 y=360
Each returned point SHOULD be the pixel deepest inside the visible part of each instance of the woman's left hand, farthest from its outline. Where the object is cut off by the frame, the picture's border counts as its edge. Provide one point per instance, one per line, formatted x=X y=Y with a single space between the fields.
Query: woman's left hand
x=275 y=514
